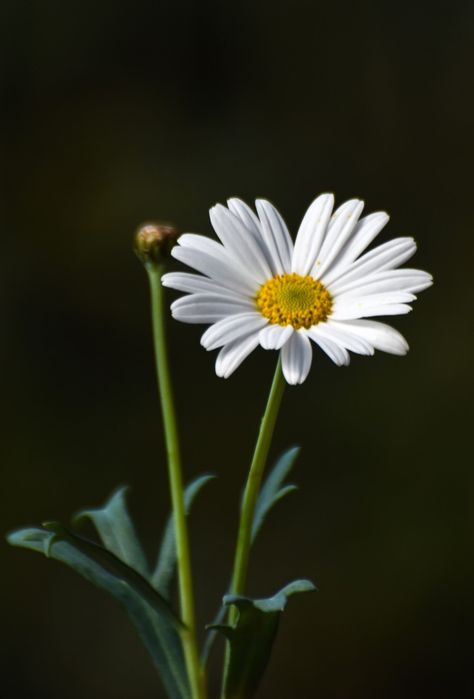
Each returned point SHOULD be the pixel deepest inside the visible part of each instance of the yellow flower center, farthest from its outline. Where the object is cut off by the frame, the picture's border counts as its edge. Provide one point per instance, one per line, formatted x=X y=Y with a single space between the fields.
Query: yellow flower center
x=290 y=299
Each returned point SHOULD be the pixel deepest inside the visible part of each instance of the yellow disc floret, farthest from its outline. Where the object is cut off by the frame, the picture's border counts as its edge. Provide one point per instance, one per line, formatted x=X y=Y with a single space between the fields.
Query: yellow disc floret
x=291 y=299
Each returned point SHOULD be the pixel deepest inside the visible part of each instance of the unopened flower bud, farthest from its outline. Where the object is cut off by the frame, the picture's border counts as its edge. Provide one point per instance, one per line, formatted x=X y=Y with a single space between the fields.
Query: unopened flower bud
x=153 y=241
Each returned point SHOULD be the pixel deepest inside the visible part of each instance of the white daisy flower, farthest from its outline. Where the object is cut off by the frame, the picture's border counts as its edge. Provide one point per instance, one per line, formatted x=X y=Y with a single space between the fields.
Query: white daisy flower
x=261 y=289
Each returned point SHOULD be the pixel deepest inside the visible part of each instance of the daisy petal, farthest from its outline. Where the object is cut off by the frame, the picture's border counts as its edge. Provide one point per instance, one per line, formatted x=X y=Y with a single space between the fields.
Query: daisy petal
x=274 y=336
x=206 y=308
x=363 y=234
x=296 y=357
x=251 y=222
x=232 y=328
x=340 y=229
x=410 y=280
x=276 y=236
x=386 y=256
x=311 y=234
x=240 y=242
x=233 y=354
x=343 y=337
x=194 y=283
x=216 y=264
x=367 y=306
x=339 y=355
x=254 y=249
x=381 y=336
x=240 y=209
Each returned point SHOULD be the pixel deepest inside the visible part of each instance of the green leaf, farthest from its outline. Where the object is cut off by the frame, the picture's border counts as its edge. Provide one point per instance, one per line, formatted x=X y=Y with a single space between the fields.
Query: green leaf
x=212 y=633
x=154 y=619
x=251 y=639
x=116 y=530
x=273 y=489
x=163 y=575
x=271 y=492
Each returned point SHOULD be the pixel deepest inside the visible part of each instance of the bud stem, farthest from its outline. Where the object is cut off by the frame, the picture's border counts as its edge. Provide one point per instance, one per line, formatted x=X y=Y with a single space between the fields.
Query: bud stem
x=189 y=638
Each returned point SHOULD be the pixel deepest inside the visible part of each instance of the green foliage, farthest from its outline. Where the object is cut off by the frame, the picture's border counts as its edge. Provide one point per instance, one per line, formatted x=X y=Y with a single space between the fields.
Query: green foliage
x=163 y=574
x=150 y=612
x=251 y=639
x=116 y=530
x=120 y=568
x=271 y=492
x=273 y=489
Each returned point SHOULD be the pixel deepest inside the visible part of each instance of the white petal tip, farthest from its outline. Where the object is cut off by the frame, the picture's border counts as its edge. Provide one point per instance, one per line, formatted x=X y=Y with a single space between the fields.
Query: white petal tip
x=326 y=197
x=399 y=351
x=223 y=374
x=292 y=379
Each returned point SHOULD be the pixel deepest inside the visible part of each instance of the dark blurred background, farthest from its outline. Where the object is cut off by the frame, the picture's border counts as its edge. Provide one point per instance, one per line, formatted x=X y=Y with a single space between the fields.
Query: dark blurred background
x=115 y=113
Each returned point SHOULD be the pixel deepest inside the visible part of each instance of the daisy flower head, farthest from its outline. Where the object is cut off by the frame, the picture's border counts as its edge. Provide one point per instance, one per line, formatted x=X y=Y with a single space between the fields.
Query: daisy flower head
x=257 y=287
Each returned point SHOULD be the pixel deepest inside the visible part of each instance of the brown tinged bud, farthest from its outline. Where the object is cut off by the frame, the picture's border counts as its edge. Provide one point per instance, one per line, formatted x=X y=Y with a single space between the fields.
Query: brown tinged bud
x=153 y=241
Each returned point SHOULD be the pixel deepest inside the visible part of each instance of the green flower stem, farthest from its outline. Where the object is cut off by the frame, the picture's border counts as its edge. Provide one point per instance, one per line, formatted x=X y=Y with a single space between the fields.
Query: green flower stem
x=254 y=480
x=252 y=488
x=189 y=638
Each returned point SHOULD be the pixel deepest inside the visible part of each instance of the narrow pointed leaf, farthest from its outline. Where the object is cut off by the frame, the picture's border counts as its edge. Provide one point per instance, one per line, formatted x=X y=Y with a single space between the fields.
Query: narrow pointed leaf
x=117 y=532
x=273 y=490
x=163 y=575
x=212 y=629
x=154 y=619
x=251 y=639
x=110 y=563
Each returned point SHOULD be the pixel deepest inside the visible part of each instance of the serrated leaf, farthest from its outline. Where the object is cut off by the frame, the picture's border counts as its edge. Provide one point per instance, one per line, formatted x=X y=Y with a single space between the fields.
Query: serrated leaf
x=273 y=489
x=162 y=578
x=116 y=530
x=252 y=637
x=154 y=619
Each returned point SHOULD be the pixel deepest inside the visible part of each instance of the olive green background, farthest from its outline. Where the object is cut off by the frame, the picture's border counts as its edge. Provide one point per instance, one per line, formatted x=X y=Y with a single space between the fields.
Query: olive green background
x=118 y=112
